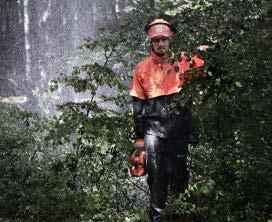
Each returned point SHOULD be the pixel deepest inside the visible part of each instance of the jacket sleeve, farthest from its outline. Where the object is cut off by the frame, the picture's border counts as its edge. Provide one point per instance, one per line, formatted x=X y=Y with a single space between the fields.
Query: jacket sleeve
x=189 y=63
x=197 y=62
x=138 y=95
x=136 y=88
x=138 y=106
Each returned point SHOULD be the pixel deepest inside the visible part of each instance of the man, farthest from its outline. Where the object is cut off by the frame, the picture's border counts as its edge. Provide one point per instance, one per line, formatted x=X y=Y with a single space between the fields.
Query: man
x=163 y=126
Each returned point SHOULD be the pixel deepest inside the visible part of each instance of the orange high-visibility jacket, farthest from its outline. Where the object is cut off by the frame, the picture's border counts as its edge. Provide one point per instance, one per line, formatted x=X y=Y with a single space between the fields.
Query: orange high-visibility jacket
x=155 y=76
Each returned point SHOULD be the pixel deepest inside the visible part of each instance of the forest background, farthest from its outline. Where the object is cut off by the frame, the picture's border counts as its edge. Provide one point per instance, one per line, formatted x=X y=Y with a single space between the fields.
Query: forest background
x=73 y=166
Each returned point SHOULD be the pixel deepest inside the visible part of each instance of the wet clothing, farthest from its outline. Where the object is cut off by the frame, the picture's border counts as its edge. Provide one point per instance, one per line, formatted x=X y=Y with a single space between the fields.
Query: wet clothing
x=166 y=166
x=165 y=124
x=164 y=117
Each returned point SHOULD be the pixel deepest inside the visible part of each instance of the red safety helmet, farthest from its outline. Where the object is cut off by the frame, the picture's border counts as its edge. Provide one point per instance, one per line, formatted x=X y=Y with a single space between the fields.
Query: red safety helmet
x=159 y=27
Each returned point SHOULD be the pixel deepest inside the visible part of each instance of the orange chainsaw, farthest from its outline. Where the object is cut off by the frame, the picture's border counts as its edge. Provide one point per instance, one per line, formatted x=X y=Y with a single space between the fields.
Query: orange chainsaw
x=138 y=159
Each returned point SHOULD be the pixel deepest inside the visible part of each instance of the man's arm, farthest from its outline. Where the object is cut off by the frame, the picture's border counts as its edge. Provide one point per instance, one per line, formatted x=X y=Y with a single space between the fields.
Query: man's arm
x=138 y=102
x=138 y=105
x=138 y=157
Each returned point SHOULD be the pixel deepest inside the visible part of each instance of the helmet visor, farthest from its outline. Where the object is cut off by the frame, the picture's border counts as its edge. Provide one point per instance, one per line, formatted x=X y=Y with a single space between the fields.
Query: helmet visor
x=159 y=30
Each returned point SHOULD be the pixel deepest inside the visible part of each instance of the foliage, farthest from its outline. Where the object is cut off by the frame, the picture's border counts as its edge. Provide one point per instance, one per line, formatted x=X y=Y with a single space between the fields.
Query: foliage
x=232 y=106
x=30 y=187
x=98 y=131
x=16 y=156
x=230 y=168
x=74 y=165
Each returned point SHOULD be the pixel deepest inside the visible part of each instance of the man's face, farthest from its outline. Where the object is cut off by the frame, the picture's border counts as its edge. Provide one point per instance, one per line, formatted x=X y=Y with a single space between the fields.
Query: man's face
x=160 y=45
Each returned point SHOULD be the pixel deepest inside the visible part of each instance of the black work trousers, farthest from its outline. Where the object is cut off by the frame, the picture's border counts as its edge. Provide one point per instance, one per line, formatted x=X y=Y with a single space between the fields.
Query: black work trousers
x=166 y=168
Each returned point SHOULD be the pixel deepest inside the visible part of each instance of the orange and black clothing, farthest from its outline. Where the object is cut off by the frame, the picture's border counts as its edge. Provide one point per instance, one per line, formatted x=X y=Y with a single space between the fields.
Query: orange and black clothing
x=166 y=126
x=155 y=84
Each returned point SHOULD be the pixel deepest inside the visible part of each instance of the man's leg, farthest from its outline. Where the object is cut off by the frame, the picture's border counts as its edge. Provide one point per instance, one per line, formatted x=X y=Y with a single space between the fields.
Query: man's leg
x=179 y=172
x=157 y=175
x=179 y=176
